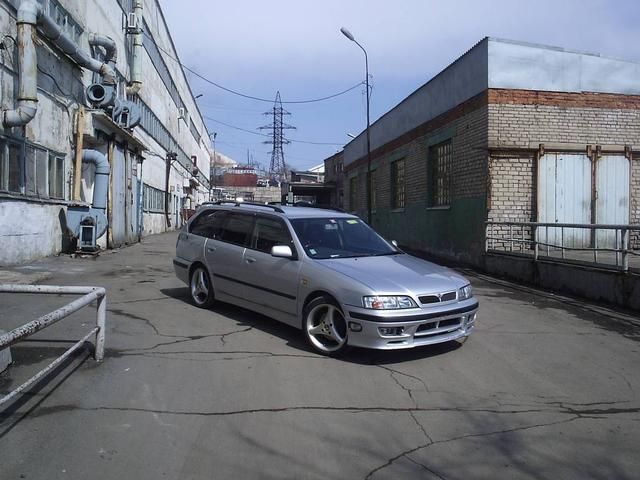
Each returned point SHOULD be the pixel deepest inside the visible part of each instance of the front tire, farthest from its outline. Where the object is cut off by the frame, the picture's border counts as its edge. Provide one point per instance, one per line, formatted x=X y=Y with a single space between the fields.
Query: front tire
x=201 y=288
x=325 y=327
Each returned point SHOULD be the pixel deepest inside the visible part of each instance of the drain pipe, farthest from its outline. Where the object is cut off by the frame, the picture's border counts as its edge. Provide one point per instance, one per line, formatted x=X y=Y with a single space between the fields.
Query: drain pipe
x=30 y=15
x=136 y=59
x=27 y=68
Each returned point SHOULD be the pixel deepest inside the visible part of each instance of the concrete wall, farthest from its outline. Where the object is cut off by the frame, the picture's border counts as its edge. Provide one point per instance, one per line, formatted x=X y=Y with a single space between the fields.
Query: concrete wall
x=601 y=285
x=38 y=234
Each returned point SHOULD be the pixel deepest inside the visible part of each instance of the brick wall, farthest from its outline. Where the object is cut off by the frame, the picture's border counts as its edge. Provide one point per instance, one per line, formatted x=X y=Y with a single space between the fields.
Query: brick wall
x=520 y=120
x=511 y=197
x=468 y=135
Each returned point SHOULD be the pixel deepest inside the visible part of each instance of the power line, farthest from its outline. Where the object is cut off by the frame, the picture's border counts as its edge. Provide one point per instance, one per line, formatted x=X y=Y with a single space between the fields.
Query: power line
x=244 y=95
x=265 y=135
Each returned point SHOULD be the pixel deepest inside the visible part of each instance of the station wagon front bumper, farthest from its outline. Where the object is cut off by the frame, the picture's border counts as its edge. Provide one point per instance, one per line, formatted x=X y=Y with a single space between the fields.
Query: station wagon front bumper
x=389 y=330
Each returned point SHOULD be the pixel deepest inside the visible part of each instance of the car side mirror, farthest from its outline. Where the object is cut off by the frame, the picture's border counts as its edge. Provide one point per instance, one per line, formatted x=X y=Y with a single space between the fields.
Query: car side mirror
x=394 y=243
x=281 y=251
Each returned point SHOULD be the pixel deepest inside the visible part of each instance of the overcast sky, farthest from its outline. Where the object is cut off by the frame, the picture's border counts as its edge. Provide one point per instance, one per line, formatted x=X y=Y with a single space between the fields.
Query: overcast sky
x=295 y=46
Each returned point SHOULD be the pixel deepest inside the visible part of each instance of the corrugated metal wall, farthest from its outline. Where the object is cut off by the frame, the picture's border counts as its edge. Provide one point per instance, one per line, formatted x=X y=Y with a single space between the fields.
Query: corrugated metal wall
x=564 y=196
x=612 y=196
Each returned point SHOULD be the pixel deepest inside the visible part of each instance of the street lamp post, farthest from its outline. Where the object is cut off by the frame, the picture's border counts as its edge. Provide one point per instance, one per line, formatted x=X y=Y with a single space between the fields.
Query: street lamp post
x=213 y=173
x=348 y=34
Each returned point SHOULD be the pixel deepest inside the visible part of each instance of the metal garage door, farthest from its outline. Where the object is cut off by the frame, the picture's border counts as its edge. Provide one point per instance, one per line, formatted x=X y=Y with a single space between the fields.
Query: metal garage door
x=612 y=196
x=564 y=196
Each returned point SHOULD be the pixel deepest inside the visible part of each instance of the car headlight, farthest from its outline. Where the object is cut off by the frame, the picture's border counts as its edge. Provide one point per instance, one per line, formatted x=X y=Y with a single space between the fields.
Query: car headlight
x=465 y=292
x=388 y=302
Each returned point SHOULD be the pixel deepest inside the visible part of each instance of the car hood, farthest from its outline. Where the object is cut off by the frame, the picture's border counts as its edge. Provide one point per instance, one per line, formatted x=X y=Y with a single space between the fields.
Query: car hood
x=397 y=274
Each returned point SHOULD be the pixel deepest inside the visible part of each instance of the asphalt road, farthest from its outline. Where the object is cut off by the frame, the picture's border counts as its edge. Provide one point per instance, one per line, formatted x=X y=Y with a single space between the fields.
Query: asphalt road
x=545 y=388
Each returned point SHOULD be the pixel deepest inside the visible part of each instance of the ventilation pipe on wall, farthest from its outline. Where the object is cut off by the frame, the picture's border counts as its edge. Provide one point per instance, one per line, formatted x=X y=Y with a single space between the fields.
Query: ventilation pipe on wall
x=78 y=215
x=31 y=15
x=136 y=58
x=103 y=95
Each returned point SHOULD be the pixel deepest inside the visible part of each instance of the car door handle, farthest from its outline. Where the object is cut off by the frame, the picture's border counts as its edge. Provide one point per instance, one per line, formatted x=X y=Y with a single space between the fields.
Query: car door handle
x=250 y=260
x=211 y=249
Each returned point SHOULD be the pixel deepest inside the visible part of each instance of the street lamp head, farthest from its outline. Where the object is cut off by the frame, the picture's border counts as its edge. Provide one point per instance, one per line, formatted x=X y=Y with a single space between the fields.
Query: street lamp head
x=347 y=34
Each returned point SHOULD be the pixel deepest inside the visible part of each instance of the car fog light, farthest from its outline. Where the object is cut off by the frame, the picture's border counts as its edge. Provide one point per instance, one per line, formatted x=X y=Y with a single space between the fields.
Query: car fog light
x=355 y=327
x=391 y=331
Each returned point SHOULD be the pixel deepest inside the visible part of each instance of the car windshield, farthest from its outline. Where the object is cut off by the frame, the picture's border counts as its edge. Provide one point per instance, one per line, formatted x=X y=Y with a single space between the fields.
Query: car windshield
x=324 y=238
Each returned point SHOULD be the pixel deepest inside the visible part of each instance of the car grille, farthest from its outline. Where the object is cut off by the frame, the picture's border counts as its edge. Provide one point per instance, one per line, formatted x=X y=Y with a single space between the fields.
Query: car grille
x=444 y=297
x=439 y=327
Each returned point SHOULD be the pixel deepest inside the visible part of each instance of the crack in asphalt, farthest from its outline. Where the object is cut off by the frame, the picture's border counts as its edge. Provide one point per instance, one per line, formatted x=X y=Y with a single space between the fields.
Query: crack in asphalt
x=426 y=468
x=246 y=354
x=463 y=437
x=133 y=316
x=183 y=339
x=140 y=300
x=575 y=412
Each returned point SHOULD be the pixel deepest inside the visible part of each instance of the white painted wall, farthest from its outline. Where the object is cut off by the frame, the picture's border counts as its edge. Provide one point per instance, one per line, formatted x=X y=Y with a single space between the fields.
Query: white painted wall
x=53 y=125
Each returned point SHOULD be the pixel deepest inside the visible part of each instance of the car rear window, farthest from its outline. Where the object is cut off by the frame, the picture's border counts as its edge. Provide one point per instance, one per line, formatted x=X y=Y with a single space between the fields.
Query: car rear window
x=237 y=229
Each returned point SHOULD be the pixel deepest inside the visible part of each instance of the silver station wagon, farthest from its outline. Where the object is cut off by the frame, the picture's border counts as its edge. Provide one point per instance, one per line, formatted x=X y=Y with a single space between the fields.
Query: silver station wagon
x=323 y=271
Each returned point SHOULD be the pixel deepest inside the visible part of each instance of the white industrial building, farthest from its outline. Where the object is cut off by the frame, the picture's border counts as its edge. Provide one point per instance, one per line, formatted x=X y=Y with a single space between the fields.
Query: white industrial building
x=97 y=122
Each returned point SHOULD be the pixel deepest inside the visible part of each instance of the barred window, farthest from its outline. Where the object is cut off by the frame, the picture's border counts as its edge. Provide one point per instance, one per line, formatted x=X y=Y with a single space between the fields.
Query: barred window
x=353 y=193
x=397 y=184
x=30 y=170
x=439 y=180
x=153 y=199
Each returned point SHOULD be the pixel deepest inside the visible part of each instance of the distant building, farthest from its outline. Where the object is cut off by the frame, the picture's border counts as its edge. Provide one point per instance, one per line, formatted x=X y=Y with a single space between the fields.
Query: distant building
x=333 y=178
x=511 y=132
x=240 y=176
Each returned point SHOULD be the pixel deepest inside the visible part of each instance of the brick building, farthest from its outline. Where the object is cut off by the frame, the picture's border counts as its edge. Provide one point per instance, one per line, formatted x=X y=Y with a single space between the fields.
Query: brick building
x=509 y=131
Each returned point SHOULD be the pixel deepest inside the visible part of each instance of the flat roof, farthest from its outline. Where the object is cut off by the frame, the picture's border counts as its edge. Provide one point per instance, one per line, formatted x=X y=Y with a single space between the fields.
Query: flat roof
x=501 y=64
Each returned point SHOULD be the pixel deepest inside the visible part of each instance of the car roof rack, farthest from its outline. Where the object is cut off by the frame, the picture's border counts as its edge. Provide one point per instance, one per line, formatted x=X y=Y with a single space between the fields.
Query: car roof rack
x=253 y=204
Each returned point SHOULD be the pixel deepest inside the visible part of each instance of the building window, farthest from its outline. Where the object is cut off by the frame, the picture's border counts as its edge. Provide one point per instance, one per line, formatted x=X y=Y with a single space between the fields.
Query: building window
x=31 y=170
x=353 y=193
x=374 y=189
x=153 y=199
x=56 y=176
x=397 y=184
x=439 y=176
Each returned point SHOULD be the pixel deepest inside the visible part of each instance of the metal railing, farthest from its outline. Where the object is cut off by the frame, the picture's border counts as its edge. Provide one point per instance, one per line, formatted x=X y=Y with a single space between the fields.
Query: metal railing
x=90 y=294
x=607 y=246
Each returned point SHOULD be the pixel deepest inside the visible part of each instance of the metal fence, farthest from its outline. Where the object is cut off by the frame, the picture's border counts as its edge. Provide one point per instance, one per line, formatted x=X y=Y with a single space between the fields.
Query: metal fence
x=89 y=294
x=606 y=246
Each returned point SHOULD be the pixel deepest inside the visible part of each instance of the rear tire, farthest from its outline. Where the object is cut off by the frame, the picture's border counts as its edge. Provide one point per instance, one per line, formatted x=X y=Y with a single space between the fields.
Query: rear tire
x=201 y=288
x=325 y=327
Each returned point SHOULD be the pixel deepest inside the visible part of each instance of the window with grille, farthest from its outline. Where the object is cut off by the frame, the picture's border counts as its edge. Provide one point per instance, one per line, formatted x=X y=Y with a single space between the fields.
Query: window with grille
x=439 y=174
x=353 y=193
x=31 y=170
x=153 y=199
x=397 y=184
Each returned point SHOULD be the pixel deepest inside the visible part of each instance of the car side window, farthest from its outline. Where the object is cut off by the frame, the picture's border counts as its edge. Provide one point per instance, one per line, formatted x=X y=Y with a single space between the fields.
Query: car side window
x=237 y=229
x=208 y=224
x=270 y=232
